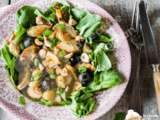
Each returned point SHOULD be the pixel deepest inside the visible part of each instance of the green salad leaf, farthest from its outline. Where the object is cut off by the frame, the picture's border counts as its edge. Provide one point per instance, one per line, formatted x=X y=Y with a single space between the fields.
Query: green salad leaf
x=101 y=60
x=21 y=100
x=82 y=69
x=78 y=13
x=10 y=64
x=105 y=38
x=63 y=95
x=46 y=102
x=105 y=80
x=83 y=102
x=26 y=17
x=20 y=33
x=86 y=24
x=51 y=17
x=119 y=116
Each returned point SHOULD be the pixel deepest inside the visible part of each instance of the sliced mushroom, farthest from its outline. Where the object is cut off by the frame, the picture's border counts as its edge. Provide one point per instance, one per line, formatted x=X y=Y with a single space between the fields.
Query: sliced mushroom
x=24 y=78
x=51 y=60
x=38 y=42
x=36 y=31
x=34 y=90
x=63 y=72
x=56 y=50
x=29 y=53
x=49 y=95
x=87 y=49
x=14 y=48
x=63 y=36
x=77 y=85
x=69 y=46
x=57 y=100
x=72 y=32
x=47 y=43
x=42 y=53
x=62 y=82
x=71 y=71
x=68 y=56
x=72 y=21
x=79 y=38
x=40 y=20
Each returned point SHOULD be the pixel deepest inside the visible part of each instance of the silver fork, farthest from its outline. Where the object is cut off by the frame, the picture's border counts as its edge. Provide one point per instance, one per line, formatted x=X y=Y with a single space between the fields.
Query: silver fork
x=136 y=39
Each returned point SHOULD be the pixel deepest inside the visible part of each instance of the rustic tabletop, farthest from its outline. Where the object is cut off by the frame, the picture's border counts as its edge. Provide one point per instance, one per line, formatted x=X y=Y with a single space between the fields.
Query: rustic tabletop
x=121 y=10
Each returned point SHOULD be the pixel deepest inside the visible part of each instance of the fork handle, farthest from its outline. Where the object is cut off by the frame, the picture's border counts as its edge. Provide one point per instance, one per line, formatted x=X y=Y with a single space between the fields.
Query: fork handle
x=156 y=78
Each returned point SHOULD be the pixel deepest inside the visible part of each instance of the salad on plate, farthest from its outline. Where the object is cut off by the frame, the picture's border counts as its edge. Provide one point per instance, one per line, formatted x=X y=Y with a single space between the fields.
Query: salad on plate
x=61 y=56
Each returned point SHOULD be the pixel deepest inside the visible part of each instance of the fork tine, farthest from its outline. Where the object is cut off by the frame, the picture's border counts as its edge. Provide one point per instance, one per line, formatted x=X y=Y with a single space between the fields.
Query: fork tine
x=133 y=14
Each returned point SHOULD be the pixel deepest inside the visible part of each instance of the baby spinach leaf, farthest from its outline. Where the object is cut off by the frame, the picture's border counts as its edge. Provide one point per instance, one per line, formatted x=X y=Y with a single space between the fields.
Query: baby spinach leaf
x=63 y=95
x=101 y=60
x=10 y=62
x=83 y=102
x=78 y=13
x=26 y=17
x=48 y=17
x=87 y=22
x=92 y=29
x=105 y=80
x=105 y=38
x=20 y=33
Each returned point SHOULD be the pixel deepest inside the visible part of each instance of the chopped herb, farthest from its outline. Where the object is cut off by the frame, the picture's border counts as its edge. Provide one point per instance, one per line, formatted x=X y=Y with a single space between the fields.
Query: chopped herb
x=61 y=26
x=47 y=32
x=40 y=38
x=36 y=75
x=36 y=62
x=82 y=69
x=52 y=74
x=61 y=54
x=46 y=102
x=21 y=100
x=54 y=42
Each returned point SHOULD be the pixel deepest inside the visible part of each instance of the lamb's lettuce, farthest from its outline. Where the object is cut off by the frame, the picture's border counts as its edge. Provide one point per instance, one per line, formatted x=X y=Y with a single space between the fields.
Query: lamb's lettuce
x=86 y=23
x=78 y=13
x=105 y=80
x=101 y=60
x=10 y=64
x=83 y=102
x=50 y=17
x=20 y=33
x=26 y=17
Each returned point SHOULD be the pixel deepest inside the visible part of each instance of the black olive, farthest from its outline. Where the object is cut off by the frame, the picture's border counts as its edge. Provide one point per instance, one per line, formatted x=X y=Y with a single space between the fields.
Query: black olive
x=85 y=78
x=75 y=59
x=27 y=41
